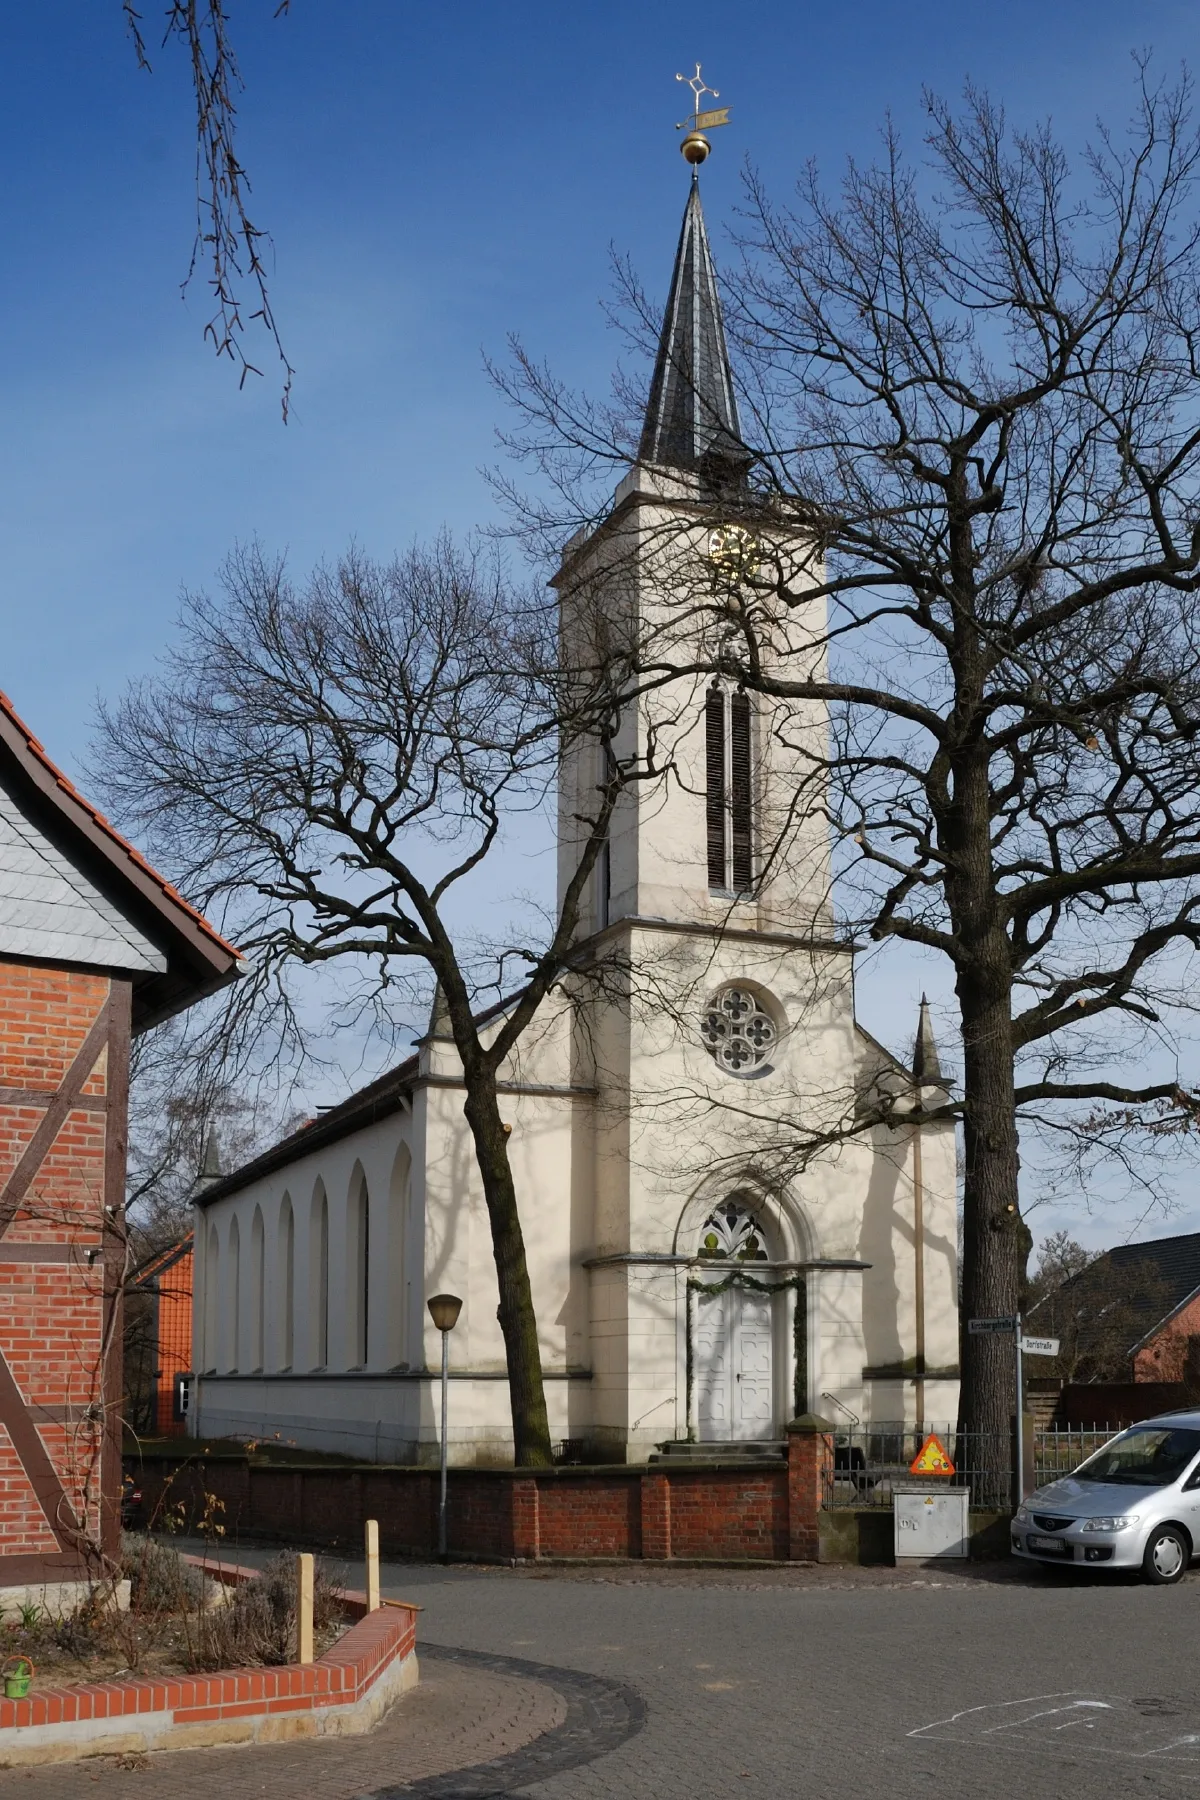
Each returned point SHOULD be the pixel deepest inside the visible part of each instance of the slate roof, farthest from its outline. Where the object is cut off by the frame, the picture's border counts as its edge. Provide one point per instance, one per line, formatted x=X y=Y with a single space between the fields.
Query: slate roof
x=50 y=911
x=73 y=890
x=1175 y=1261
x=691 y=419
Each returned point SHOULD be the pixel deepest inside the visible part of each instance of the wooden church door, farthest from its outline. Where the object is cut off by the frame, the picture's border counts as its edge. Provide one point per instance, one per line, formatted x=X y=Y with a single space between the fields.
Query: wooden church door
x=734 y=1366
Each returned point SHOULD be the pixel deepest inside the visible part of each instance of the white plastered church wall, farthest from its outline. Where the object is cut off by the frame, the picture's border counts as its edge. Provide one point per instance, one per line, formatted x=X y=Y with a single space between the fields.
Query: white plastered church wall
x=291 y=1366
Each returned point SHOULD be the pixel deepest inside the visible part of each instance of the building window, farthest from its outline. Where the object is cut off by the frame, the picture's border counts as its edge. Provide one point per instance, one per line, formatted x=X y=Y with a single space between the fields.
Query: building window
x=729 y=790
x=397 y=1298
x=287 y=1281
x=233 y=1346
x=258 y=1291
x=319 y=1277
x=603 y=871
x=358 y=1270
x=212 y=1299
x=738 y=1032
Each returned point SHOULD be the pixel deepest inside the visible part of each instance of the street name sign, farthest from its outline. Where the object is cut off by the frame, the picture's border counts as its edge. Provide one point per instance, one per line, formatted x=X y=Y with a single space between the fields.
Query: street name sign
x=980 y=1327
x=1039 y=1346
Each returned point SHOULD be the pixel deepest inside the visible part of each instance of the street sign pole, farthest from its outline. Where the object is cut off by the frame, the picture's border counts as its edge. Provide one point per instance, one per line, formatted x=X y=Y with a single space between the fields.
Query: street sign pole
x=1020 y=1416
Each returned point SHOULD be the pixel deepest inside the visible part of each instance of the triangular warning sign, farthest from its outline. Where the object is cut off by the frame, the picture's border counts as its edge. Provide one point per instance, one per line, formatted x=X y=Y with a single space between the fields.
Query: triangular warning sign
x=931 y=1458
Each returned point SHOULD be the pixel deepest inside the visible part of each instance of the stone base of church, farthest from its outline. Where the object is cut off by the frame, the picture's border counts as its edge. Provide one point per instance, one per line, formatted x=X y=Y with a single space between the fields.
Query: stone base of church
x=385 y=1418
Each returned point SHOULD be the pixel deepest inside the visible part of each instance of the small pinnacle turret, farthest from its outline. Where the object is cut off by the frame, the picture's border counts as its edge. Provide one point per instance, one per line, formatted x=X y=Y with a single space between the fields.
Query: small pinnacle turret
x=439 y=1016
x=210 y=1163
x=926 y=1067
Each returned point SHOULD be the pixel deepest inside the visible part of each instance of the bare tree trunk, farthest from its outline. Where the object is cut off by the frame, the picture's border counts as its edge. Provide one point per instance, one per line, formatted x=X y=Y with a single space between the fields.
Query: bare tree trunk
x=992 y=1262
x=518 y=1322
x=992 y=1265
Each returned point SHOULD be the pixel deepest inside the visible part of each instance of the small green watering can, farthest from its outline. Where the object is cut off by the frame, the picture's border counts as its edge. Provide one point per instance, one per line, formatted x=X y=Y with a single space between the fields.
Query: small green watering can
x=17 y=1680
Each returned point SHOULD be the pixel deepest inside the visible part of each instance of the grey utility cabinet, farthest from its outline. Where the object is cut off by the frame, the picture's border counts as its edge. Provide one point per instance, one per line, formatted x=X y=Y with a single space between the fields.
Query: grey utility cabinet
x=930 y=1523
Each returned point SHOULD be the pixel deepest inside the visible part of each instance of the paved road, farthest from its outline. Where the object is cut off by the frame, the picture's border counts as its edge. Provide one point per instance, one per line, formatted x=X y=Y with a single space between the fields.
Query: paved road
x=1041 y=1686
x=863 y=1685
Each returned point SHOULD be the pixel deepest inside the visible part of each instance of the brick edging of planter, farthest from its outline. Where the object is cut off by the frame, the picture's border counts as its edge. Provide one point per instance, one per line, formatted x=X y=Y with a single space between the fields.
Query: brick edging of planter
x=345 y=1691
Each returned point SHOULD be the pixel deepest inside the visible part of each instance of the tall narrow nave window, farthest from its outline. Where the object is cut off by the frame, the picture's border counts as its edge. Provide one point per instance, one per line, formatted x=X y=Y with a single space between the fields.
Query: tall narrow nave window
x=729 y=791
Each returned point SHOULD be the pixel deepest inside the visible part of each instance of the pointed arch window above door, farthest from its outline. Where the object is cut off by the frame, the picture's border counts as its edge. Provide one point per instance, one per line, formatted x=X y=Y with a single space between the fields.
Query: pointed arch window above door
x=731 y=1233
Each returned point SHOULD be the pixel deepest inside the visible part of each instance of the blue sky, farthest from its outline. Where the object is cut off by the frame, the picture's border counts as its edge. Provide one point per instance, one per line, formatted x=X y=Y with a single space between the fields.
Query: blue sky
x=433 y=178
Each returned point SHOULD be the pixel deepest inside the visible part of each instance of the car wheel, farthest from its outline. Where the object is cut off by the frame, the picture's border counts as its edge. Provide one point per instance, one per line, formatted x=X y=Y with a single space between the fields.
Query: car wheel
x=1166 y=1556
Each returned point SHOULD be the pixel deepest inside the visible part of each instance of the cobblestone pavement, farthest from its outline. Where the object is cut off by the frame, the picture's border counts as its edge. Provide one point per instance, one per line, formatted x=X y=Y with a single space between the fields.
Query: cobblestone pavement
x=860 y=1684
x=460 y=1715
x=982 y=1684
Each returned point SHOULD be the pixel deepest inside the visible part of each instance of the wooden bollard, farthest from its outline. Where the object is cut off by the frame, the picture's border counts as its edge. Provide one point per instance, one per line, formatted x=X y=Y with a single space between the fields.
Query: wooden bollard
x=372 y=1565
x=304 y=1607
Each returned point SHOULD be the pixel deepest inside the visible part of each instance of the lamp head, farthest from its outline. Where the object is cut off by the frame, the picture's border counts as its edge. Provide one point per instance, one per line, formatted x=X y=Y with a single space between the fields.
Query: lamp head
x=444 y=1310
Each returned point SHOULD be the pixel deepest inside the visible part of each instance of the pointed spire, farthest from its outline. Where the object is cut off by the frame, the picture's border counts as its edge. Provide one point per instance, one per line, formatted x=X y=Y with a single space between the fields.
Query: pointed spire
x=926 y=1067
x=439 y=1016
x=210 y=1163
x=691 y=420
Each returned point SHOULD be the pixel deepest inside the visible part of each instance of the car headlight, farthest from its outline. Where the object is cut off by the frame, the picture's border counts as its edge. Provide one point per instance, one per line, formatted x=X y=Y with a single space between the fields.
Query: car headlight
x=1120 y=1523
x=1021 y=1516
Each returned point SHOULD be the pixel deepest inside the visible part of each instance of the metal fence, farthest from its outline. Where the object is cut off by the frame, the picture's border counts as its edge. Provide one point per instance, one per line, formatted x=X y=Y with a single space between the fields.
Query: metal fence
x=871 y=1461
x=1057 y=1451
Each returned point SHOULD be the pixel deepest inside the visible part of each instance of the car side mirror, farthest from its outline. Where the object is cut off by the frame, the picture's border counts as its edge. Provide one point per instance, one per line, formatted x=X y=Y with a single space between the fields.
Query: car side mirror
x=1193 y=1480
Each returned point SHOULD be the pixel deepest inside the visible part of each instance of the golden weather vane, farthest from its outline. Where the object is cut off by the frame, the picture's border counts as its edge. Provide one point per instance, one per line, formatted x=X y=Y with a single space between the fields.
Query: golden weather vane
x=695 y=146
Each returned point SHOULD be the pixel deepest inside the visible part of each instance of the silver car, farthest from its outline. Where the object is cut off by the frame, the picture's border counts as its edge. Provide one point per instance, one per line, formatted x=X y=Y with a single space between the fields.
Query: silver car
x=1134 y=1504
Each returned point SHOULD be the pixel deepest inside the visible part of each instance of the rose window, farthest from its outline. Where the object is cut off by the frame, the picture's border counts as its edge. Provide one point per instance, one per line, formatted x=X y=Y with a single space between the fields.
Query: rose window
x=731 y=1234
x=738 y=1031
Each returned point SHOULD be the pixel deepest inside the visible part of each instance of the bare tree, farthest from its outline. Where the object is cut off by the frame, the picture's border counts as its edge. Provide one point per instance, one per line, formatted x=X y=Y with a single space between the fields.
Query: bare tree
x=329 y=767
x=227 y=242
x=974 y=398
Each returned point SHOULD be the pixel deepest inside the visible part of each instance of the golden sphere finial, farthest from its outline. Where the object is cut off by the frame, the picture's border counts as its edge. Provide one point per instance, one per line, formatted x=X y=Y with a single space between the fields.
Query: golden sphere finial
x=695 y=148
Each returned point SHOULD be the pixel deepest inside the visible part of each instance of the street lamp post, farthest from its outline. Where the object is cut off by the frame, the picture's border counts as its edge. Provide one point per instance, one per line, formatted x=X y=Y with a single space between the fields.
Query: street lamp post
x=444 y=1310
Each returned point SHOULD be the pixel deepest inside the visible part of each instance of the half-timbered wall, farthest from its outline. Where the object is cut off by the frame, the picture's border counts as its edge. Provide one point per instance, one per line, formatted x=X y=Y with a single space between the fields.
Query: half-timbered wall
x=64 y=1040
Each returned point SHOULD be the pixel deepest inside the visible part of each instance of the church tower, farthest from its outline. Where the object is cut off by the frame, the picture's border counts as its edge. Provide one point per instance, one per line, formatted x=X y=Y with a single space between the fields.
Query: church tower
x=714 y=839
x=722 y=1010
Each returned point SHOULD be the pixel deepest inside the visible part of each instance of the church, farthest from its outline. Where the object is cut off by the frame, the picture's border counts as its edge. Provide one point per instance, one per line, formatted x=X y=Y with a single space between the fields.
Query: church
x=724 y=1228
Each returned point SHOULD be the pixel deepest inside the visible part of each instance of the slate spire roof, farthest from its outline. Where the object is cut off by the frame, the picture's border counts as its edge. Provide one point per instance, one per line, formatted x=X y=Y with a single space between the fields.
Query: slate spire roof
x=691 y=419
x=926 y=1065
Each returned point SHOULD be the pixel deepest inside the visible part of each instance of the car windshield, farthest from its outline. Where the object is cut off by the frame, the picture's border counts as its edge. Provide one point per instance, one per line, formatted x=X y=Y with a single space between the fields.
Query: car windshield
x=1147 y=1456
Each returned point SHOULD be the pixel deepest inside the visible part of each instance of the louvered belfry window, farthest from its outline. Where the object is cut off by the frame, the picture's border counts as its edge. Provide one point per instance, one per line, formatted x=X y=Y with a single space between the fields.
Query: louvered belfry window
x=730 y=787
x=714 y=725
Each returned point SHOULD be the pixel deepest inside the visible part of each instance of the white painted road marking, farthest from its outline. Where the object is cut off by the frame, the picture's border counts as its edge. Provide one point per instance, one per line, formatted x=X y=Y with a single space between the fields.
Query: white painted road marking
x=1114 y=1727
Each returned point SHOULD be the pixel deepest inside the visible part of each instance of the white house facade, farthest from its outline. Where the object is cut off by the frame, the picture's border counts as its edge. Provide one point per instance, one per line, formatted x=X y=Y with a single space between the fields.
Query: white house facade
x=721 y=1233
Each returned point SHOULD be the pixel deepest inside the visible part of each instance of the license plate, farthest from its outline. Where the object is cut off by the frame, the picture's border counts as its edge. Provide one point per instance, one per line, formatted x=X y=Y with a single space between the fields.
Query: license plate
x=1048 y=1543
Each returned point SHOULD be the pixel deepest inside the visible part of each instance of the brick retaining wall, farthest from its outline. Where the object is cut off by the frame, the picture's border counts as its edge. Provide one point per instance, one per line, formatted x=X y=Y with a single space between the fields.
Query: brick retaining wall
x=729 y=1511
x=345 y=1691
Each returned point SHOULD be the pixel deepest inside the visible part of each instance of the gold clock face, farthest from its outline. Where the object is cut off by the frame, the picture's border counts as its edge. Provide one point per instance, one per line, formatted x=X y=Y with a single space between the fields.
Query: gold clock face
x=735 y=552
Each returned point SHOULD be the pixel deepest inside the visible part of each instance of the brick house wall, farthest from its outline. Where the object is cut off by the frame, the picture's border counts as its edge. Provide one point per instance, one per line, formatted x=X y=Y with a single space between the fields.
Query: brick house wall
x=64 y=1059
x=174 y=1341
x=94 y=947
x=1165 y=1356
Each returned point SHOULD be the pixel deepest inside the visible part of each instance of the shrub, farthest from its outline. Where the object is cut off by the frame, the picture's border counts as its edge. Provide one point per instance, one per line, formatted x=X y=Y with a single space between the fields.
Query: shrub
x=159 y=1579
x=259 y=1623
